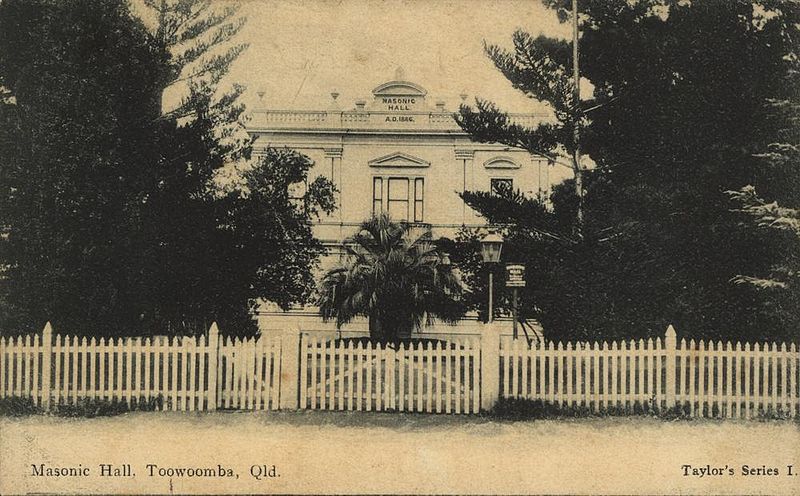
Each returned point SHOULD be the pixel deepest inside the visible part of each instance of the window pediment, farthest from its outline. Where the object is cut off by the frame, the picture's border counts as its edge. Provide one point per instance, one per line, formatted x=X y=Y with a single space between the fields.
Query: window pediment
x=501 y=163
x=399 y=159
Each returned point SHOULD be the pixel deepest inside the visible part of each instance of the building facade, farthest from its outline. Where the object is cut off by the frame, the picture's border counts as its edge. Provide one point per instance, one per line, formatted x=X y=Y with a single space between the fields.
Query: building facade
x=400 y=153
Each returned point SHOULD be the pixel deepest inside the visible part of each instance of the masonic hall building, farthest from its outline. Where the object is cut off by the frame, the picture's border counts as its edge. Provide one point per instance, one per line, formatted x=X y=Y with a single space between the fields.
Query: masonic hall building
x=401 y=153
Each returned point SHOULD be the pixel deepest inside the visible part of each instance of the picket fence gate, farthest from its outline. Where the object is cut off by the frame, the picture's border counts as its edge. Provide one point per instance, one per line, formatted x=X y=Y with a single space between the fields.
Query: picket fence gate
x=440 y=377
x=294 y=369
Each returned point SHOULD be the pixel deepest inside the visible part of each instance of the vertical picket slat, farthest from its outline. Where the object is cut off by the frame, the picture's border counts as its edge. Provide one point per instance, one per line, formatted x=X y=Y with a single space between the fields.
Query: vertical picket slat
x=3 y=364
x=161 y=374
x=323 y=367
x=233 y=371
x=711 y=368
x=413 y=373
x=427 y=374
x=420 y=375
x=369 y=357
x=380 y=379
x=151 y=376
x=126 y=388
x=80 y=362
x=147 y=367
x=691 y=358
x=359 y=376
x=251 y=373
x=189 y=373
x=595 y=380
x=240 y=367
x=785 y=395
x=195 y=393
x=270 y=362
x=314 y=385
x=567 y=365
x=305 y=357
x=759 y=375
x=728 y=392
x=331 y=373
x=792 y=361
x=362 y=368
x=276 y=348
x=773 y=364
x=340 y=375
x=18 y=349
x=64 y=379
x=459 y=368
x=23 y=368
x=100 y=361
x=260 y=383
x=401 y=380
x=747 y=389
x=718 y=380
x=106 y=369
x=247 y=382
x=172 y=351
x=618 y=374
x=258 y=372
x=36 y=347
x=701 y=386
x=349 y=358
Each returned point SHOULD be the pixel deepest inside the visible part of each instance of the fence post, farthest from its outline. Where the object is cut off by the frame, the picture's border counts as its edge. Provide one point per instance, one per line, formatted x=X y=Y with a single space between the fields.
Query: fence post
x=212 y=345
x=289 y=371
x=670 y=344
x=47 y=349
x=490 y=365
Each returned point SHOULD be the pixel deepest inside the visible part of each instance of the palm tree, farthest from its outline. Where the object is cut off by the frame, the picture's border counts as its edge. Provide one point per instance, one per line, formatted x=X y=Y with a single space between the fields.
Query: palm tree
x=393 y=274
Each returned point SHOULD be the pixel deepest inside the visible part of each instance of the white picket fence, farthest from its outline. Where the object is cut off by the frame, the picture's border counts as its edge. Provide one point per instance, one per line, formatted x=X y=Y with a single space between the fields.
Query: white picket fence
x=706 y=380
x=298 y=370
x=412 y=377
x=176 y=373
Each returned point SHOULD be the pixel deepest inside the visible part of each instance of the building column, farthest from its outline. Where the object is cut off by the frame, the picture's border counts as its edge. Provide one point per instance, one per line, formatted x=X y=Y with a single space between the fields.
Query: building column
x=542 y=166
x=334 y=156
x=467 y=159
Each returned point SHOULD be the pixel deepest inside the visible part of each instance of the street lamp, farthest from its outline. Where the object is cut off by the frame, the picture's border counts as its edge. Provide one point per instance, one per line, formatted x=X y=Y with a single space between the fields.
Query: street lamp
x=491 y=246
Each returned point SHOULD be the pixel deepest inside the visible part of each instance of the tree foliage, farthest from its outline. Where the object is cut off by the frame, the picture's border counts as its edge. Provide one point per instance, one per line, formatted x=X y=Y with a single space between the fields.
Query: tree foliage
x=394 y=275
x=678 y=113
x=115 y=219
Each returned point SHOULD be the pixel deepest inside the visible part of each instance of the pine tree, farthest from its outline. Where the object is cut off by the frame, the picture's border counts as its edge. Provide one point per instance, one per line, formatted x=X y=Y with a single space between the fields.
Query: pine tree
x=115 y=219
x=676 y=115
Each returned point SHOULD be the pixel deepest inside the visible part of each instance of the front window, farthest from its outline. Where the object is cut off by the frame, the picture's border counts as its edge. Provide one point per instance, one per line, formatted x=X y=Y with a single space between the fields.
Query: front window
x=297 y=195
x=402 y=197
x=398 y=198
x=501 y=185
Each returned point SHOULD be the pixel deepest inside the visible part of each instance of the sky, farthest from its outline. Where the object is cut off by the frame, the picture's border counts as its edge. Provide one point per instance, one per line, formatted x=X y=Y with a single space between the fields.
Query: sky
x=302 y=50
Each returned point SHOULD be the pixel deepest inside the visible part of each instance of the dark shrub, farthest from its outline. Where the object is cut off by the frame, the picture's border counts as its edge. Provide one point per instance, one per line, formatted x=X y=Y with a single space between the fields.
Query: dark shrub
x=17 y=406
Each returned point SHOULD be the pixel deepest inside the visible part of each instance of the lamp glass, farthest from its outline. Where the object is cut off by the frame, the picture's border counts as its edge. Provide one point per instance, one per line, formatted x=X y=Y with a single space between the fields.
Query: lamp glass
x=491 y=247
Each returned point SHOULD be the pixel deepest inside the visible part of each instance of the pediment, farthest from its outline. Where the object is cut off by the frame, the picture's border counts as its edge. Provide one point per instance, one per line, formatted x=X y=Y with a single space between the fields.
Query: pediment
x=399 y=159
x=501 y=163
x=399 y=88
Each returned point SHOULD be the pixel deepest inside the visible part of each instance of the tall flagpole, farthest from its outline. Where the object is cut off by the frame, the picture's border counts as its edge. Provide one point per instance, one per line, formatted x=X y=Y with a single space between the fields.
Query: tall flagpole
x=576 y=158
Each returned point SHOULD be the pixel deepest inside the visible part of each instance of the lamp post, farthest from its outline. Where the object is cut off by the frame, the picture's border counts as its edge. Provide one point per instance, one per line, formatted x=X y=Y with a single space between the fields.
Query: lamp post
x=491 y=246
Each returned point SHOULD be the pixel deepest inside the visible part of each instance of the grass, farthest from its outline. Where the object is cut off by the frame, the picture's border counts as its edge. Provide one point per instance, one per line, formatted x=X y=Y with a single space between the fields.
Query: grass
x=16 y=406
x=526 y=409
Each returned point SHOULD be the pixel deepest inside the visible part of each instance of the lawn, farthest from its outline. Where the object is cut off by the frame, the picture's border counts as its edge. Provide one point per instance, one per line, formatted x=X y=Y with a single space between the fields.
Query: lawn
x=379 y=452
